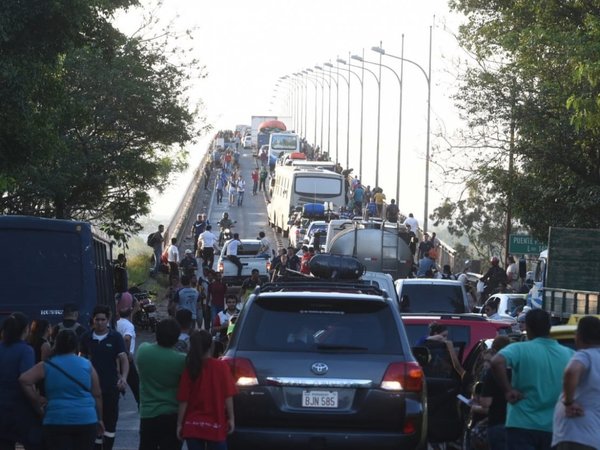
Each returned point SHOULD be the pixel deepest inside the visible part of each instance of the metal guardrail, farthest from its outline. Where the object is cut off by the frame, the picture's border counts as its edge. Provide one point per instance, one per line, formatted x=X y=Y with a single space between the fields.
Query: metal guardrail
x=563 y=302
x=182 y=212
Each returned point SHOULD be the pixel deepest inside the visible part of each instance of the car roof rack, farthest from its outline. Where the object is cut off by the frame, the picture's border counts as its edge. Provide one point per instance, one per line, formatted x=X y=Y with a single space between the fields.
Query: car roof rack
x=302 y=283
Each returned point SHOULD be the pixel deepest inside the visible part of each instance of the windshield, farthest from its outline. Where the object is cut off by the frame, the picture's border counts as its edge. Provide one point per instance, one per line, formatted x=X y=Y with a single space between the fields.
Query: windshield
x=432 y=298
x=284 y=142
x=292 y=324
x=318 y=186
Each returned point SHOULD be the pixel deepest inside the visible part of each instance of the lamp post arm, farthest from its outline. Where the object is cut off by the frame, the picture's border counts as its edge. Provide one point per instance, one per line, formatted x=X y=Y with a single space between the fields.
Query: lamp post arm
x=411 y=62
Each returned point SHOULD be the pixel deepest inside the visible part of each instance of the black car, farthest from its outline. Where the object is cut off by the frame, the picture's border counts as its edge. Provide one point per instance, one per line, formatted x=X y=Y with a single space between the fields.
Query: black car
x=322 y=364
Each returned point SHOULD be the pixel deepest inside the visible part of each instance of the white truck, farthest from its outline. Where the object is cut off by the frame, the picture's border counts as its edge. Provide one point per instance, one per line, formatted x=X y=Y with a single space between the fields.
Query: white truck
x=255 y=122
x=248 y=254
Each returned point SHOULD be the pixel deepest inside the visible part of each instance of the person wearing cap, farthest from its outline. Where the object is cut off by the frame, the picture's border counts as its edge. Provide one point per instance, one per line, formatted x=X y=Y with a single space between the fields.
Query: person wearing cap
x=189 y=265
x=69 y=322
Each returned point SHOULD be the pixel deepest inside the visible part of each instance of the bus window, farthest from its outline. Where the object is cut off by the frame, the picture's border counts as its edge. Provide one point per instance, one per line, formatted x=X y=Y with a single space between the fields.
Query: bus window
x=318 y=185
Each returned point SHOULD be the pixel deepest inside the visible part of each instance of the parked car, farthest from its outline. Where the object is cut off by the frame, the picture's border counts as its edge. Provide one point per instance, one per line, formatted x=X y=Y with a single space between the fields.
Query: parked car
x=468 y=334
x=383 y=281
x=247 y=254
x=509 y=304
x=298 y=231
x=316 y=226
x=247 y=142
x=430 y=295
x=324 y=364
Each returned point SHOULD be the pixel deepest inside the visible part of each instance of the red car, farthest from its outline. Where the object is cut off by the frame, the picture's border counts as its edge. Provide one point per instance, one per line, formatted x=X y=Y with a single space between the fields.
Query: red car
x=468 y=333
x=464 y=330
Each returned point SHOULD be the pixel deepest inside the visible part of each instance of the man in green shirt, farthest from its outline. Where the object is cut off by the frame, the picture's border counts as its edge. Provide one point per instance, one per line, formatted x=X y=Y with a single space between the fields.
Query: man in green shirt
x=160 y=366
x=537 y=369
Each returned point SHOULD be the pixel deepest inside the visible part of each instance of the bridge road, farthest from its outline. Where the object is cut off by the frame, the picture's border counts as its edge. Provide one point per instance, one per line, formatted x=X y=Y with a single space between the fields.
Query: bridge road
x=251 y=218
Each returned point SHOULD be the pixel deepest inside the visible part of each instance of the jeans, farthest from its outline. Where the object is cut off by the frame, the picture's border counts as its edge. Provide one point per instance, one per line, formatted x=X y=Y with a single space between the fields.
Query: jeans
x=70 y=437
x=157 y=255
x=197 y=444
x=235 y=260
x=240 y=199
x=523 y=439
x=159 y=433
x=219 y=195
x=496 y=435
x=254 y=187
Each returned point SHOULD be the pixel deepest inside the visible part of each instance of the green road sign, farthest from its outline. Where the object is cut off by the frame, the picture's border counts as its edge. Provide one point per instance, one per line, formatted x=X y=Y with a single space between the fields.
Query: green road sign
x=523 y=244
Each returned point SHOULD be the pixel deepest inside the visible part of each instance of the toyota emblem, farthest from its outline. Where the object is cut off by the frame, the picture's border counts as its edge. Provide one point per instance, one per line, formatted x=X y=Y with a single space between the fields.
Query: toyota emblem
x=319 y=368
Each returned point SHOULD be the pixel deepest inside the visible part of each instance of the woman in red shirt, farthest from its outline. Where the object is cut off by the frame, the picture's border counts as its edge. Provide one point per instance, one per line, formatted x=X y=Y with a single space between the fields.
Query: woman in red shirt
x=205 y=396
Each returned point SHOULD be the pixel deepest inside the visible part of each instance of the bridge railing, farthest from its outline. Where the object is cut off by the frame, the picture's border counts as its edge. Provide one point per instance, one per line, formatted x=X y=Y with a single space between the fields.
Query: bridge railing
x=186 y=204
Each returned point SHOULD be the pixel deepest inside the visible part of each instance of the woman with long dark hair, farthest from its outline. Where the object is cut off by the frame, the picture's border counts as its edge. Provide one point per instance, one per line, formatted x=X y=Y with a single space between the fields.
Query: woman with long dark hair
x=39 y=331
x=205 y=397
x=72 y=408
x=18 y=421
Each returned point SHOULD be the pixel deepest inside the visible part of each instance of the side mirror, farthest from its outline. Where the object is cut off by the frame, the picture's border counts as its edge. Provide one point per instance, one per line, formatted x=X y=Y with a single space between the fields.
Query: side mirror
x=422 y=355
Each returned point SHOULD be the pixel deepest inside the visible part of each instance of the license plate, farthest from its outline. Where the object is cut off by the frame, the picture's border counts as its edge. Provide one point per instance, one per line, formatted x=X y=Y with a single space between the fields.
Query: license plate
x=319 y=399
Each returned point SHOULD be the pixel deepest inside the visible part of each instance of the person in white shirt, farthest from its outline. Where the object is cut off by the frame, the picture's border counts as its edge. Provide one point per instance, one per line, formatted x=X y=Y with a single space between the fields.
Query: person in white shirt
x=207 y=241
x=232 y=252
x=410 y=220
x=512 y=274
x=265 y=250
x=173 y=258
x=127 y=330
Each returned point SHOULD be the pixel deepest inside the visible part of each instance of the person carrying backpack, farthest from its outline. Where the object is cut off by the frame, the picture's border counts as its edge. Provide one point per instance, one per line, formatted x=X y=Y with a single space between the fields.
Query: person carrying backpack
x=69 y=322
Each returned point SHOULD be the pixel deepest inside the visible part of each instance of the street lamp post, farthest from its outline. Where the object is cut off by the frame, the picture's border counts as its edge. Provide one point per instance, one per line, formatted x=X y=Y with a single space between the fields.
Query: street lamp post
x=347 y=80
x=400 y=81
x=316 y=87
x=362 y=60
x=361 y=81
x=427 y=75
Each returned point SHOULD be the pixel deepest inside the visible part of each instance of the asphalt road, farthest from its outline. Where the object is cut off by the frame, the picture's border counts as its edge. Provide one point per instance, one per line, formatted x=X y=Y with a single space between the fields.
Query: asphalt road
x=251 y=219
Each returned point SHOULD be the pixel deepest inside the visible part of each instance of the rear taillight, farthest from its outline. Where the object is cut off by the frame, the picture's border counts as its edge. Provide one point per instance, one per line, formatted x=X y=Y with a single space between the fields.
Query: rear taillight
x=242 y=370
x=403 y=376
x=220 y=267
x=268 y=266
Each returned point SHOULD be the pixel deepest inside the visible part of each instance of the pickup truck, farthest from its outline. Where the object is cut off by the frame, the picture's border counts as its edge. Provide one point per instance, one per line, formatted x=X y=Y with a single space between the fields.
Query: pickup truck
x=248 y=255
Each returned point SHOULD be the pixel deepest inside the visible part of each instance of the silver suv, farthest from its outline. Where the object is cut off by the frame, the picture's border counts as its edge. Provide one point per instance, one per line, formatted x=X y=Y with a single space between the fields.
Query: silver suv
x=430 y=295
x=324 y=364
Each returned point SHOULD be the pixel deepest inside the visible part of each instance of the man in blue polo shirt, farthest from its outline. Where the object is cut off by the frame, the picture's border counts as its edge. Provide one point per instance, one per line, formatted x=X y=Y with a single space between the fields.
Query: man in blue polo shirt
x=104 y=348
x=537 y=370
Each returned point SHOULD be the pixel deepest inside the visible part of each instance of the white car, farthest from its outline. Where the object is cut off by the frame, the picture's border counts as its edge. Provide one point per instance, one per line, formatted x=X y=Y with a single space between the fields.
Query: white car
x=509 y=303
x=247 y=142
x=316 y=226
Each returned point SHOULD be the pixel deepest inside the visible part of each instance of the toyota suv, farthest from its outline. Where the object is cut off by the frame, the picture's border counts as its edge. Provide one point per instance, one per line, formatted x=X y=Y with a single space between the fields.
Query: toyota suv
x=324 y=364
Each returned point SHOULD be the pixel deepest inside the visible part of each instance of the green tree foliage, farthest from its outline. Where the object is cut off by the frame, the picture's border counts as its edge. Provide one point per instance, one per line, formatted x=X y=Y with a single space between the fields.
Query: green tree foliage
x=111 y=130
x=541 y=56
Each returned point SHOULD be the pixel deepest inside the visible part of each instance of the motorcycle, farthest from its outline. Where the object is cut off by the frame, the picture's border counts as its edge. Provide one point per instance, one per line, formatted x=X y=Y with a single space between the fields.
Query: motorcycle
x=145 y=317
x=225 y=234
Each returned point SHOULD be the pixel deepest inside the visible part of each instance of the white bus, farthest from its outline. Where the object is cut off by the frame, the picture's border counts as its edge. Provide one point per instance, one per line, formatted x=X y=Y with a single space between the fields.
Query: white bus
x=294 y=186
x=284 y=142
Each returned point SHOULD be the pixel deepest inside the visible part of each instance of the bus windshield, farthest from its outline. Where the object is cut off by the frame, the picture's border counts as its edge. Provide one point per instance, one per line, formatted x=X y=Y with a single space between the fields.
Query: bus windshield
x=318 y=186
x=284 y=142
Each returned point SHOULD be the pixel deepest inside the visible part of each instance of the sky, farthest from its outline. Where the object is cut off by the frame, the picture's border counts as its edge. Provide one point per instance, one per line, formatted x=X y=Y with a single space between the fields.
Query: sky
x=247 y=46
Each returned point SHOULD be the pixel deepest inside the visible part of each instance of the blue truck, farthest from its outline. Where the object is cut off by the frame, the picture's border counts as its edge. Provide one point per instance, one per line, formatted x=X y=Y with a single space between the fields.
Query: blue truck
x=51 y=262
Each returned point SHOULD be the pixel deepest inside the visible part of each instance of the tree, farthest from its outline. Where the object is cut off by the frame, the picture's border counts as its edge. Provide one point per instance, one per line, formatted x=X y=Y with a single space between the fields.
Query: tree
x=34 y=37
x=115 y=128
x=549 y=52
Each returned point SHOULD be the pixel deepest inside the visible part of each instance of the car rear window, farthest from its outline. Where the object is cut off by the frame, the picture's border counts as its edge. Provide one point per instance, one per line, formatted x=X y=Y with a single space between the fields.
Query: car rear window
x=286 y=324
x=417 y=333
x=432 y=298
x=249 y=249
